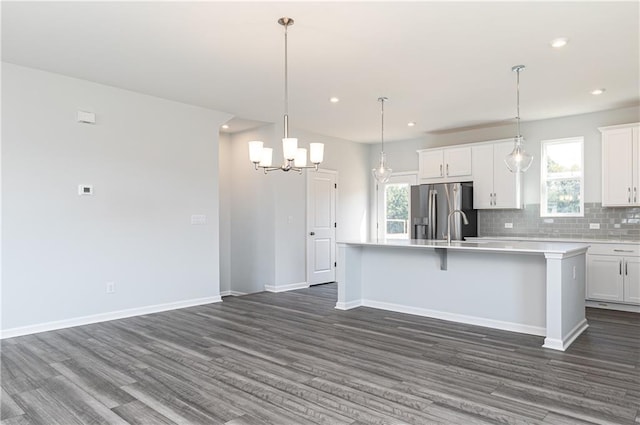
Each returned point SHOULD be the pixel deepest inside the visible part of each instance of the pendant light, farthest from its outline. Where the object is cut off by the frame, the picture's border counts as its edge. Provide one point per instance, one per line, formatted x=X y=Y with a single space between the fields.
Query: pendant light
x=518 y=160
x=295 y=158
x=382 y=173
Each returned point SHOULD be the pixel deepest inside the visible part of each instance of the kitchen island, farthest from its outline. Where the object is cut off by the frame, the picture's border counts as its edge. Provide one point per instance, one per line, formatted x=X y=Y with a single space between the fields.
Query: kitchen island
x=535 y=288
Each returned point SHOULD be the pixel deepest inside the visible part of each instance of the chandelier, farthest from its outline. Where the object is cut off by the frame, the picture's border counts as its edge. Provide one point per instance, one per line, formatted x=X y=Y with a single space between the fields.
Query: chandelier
x=295 y=158
x=518 y=160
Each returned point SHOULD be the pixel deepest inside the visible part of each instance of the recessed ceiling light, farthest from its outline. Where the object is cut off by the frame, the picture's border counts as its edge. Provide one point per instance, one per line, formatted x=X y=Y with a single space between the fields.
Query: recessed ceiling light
x=225 y=127
x=334 y=99
x=411 y=124
x=559 y=42
x=596 y=92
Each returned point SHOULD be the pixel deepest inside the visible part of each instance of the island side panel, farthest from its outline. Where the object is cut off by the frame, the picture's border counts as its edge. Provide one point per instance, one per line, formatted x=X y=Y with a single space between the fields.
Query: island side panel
x=494 y=289
x=349 y=276
x=566 y=318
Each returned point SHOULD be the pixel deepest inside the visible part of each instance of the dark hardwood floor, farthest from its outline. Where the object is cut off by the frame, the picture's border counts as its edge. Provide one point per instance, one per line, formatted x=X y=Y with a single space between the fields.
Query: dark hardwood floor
x=291 y=358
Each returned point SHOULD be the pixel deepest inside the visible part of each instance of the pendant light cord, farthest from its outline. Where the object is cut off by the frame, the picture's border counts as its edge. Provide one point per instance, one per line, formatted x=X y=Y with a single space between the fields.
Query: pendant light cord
x=518 y=100
x=382 y=100
x=286 y=22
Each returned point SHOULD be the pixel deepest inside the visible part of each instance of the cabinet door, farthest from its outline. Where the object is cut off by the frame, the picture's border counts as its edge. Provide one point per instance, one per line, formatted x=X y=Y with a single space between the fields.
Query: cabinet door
x=457 y=162
x=605 y=278
x=617 y=167
x=430 y=164
x=482 y=166
x=507 y=188
x=632 y=280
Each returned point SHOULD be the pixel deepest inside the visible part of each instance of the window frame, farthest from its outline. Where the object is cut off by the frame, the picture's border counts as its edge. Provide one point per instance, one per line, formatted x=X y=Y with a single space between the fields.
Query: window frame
x=544 y=178
x=409 y=177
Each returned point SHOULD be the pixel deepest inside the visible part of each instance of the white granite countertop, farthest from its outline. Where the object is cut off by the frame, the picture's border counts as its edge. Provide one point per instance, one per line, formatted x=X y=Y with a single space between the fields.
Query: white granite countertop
x=516 y=246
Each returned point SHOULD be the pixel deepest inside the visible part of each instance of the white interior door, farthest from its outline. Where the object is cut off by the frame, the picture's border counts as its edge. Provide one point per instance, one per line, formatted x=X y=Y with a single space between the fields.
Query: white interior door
x=321 y=226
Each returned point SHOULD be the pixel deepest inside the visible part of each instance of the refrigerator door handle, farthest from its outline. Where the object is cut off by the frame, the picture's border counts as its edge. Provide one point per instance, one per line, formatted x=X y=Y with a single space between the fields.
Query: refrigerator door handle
x=432 y=215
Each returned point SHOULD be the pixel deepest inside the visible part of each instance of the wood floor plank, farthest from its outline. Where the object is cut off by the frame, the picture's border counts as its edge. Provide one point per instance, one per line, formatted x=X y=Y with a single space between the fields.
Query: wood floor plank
x=293 y=359
x=8 y=407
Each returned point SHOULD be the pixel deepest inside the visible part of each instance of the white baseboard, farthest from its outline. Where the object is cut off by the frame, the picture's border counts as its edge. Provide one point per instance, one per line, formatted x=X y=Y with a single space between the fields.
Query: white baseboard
x=348 y=305
x=284 y=288
x=613 y=306
x=105 y=317
x=558 y=344
x=232 y=293
x=460 y=318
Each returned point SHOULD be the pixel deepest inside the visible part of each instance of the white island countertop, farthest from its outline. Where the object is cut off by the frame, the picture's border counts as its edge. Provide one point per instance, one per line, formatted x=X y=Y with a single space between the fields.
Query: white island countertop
x=531 y=247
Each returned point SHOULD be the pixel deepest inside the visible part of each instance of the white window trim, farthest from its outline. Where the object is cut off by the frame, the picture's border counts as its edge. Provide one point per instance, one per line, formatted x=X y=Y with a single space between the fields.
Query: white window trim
x=410 y=177
x=544 y=178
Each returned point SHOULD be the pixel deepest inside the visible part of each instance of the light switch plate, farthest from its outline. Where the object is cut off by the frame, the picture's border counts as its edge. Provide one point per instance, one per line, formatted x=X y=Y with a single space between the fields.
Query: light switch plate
x=198 y=219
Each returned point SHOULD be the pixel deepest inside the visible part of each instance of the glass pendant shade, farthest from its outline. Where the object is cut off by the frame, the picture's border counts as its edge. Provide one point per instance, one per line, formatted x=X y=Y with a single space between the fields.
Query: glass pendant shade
x=290 y=148
x=316 y=153
x=301 y=158
x=518 y=160
x=267 y=157
x=255 y=151
x=382 y=173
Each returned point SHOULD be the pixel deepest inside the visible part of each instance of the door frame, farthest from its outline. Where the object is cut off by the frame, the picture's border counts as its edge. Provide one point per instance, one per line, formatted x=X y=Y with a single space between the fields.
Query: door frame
x=307 y=224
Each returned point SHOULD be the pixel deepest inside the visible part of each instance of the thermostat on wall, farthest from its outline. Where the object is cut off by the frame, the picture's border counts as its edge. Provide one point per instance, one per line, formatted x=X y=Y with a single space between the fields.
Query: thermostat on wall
x=85 y=189
x=86 y=117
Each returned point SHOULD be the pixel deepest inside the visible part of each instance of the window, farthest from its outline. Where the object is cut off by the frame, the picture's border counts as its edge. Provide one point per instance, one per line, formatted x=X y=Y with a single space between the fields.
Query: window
x=562 y=178
x=394 y=206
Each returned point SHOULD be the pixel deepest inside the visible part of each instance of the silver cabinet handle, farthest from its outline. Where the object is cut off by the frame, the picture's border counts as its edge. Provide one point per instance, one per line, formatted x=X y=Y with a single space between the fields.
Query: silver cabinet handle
x=626 y=270
x=629 y=194
x=635 y=195
x=447 y=169
x=440 y=170
x=622 y=250
x=620 y=267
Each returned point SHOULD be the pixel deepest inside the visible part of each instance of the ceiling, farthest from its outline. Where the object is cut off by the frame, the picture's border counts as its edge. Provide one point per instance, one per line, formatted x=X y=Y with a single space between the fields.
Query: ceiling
x=444 y=65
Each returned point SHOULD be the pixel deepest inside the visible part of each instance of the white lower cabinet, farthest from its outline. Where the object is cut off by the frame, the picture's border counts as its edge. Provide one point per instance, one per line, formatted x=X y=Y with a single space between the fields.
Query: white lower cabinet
x=613 y=273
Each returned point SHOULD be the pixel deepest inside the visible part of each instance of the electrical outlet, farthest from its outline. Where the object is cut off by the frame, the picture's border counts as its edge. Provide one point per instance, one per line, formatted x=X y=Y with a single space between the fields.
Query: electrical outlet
x=111 y=287
x=548 y=220
x=508 y=225
x=616 y=226
x=594 y=226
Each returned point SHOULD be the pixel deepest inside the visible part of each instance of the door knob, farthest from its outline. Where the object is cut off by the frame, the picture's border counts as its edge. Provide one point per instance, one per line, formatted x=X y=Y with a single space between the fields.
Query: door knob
x=312 y=233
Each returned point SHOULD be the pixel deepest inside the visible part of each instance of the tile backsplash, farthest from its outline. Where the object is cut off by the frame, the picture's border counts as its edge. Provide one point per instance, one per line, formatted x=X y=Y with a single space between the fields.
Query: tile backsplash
x=615 y=223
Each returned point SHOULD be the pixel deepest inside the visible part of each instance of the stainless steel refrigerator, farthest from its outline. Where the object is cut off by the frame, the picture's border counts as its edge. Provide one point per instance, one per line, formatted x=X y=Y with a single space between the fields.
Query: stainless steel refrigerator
x=430 y=208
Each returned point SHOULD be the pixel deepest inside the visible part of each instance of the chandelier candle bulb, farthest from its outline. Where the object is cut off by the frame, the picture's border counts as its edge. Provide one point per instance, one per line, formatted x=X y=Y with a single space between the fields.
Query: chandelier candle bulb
x=267 y=157
x=290 y=148
x=316 y=153
x=301 y=158
x=255 y=151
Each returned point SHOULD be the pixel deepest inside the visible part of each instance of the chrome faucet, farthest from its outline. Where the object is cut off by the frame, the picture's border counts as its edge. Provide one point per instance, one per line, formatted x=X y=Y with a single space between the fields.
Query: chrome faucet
x=451 y=214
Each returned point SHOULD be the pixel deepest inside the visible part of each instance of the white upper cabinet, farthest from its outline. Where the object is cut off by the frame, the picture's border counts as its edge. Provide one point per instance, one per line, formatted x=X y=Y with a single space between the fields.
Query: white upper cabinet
x=494 y=186
x=443 y=165
x=620 y=165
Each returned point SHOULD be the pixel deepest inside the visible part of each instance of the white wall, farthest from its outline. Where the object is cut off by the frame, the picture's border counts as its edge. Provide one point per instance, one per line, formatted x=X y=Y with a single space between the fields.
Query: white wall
x=402 y=155
x=152 y=163
x=268 y=212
